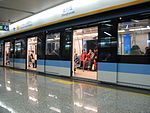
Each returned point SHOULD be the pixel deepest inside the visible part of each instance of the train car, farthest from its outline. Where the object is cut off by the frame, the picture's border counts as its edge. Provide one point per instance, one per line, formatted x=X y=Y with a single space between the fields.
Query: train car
x=97 y=41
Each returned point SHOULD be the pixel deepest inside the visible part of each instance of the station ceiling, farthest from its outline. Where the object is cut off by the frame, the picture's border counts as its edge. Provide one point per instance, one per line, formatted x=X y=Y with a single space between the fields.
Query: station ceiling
x=15 y=10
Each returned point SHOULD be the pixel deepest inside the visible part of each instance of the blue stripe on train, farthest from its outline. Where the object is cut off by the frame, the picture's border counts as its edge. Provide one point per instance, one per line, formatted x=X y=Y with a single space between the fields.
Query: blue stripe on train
x=107 y=66
x=66 y=64
x=40 y=62
x=19 y=60
x=134 y=68
x=125 y=68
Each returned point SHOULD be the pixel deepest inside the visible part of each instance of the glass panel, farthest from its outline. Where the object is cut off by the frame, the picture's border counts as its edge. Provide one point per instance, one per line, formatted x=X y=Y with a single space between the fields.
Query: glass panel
x=11 y=50
x=41 y=47
x=66 y=45
x=20 y=48
x=108 y=42
x=53 y=44
x=1 y=49
x=134 y=37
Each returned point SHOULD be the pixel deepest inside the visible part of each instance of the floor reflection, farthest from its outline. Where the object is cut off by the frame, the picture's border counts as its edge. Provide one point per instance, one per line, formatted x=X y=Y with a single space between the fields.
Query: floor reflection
x=32 y=88
x=26 y=92
x=84 y=98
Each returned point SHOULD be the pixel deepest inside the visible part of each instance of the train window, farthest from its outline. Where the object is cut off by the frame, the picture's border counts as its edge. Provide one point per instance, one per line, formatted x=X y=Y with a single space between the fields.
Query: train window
x=41 y=46
x=134 y=37
x=66 y=44
x=20 y=48
x=1 y=50
x=107 y=42
x=53 y=44
x=11 y=49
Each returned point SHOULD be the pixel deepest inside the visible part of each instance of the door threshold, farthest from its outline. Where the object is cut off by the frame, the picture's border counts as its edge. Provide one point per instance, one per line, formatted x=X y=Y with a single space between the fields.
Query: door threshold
x=84 y=79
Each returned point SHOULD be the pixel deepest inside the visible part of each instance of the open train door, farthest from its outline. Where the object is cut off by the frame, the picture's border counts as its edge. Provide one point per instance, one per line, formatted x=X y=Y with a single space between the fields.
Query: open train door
x=32 y=53
x=85 y=53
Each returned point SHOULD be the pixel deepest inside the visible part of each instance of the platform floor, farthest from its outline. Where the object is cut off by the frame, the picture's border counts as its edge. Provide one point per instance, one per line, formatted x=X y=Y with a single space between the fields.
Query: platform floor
x=27 y=92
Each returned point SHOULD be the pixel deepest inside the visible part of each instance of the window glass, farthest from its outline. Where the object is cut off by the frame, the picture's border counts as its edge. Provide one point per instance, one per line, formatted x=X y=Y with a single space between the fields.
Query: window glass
x=53 y=44
x=11 y=49
x=66 y=44
x=134 y=37
x=41 y=46
x=107 y=42
x=20 y=48
x=1 y=49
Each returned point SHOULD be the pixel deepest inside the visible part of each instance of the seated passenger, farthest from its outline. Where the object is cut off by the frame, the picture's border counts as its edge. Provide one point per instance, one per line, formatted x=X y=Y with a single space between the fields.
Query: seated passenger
x=147 y=49
x=94 y=64
x=135 y=50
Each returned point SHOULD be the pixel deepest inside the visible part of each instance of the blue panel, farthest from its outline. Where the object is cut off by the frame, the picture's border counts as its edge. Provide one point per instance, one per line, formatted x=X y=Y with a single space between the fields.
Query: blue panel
x=125 y=68
x=11 y=59
x=19 y=60
x=40 y=62
x=127 y=43
x=107 y=66
x=56 y=63
x=1 y=59
x=134 y=68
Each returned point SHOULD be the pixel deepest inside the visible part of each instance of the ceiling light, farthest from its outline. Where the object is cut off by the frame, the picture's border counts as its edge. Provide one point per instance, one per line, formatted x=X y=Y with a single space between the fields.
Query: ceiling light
x=108 y=34
x=135 y=20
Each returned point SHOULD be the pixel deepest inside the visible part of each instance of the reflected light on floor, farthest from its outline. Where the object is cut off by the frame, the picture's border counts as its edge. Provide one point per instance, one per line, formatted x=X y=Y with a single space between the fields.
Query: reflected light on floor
x=53 y=96
x=6 y=107
x=90 y=108
x=55 y=109
x=33 y=89
x=33 y=99
x=8 y=88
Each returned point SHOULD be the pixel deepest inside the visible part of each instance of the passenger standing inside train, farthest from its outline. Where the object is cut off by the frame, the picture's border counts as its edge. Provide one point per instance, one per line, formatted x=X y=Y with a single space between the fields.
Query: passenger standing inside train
x=32 y=60
x=82 y=58
x=89 y=58
x=7 y=59
x=76 y=60
x=95 y=59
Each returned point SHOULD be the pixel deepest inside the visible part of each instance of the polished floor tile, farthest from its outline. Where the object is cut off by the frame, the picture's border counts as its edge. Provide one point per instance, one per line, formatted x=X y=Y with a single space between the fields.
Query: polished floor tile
x=26 y=92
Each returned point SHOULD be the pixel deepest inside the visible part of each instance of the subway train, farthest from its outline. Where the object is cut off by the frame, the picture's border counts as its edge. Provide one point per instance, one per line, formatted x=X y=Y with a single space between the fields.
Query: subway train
x=97 y=41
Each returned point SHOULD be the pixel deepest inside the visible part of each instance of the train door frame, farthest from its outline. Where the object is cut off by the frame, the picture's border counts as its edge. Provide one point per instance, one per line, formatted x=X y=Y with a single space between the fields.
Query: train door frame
x=2 y=42
x=34 y=53
x=82 y=27
x=5 y=51
x=4 y=57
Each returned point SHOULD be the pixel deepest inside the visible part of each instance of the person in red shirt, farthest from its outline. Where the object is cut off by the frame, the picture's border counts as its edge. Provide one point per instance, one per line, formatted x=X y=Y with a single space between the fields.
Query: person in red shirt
x=82 y=58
